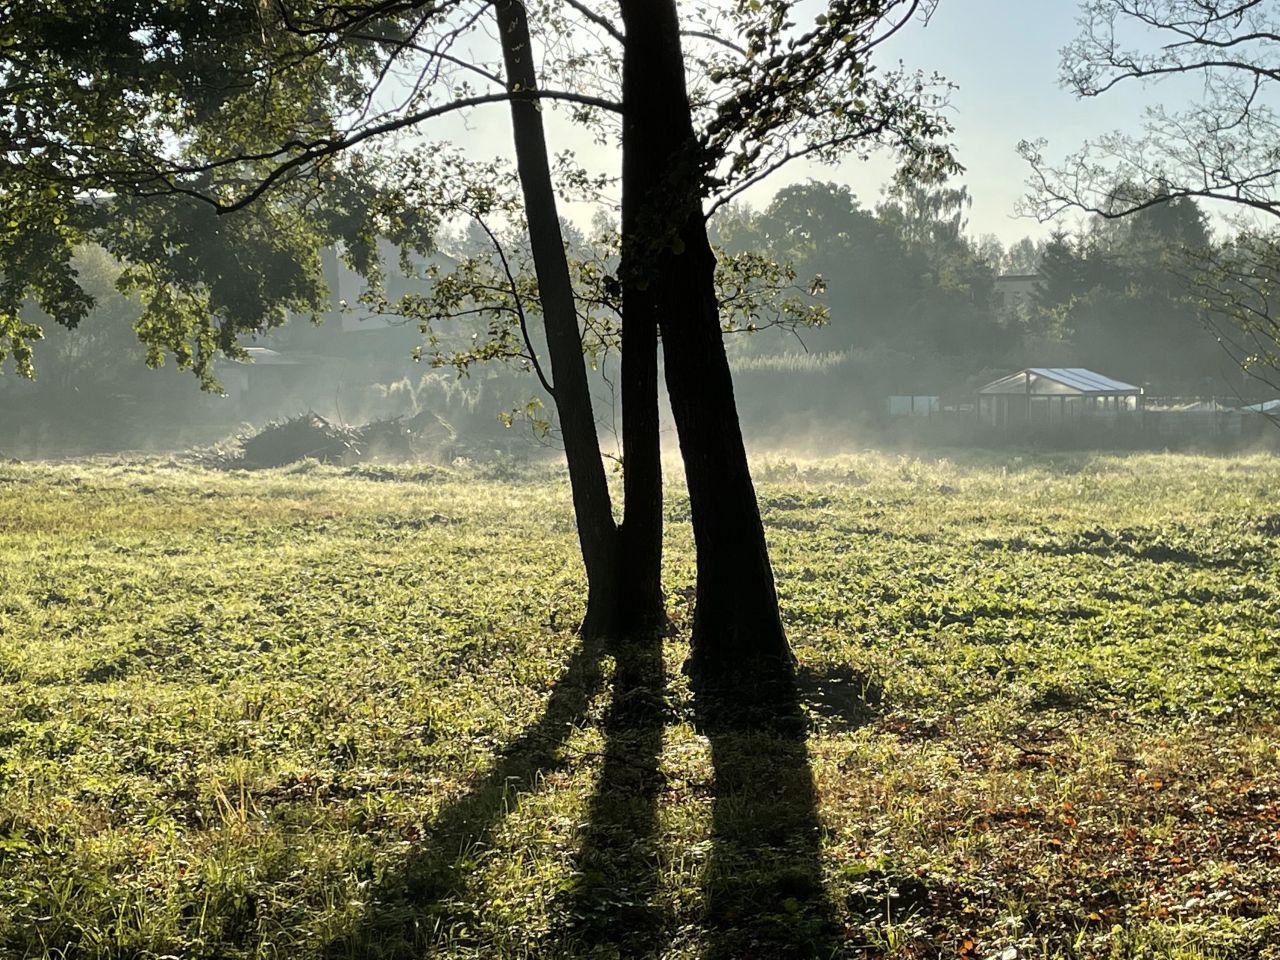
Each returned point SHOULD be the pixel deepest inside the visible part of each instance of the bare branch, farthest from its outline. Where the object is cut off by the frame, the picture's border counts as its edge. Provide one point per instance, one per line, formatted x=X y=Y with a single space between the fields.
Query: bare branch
x=309 y=152
x=600 y=21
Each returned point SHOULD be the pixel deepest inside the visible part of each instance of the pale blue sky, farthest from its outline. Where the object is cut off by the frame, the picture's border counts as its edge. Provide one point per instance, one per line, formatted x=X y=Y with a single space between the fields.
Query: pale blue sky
x=1003 y=55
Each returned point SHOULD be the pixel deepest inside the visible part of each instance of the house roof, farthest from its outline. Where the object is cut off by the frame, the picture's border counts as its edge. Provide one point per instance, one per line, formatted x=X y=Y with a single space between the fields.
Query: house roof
x=1060 y=381
x=268 y=357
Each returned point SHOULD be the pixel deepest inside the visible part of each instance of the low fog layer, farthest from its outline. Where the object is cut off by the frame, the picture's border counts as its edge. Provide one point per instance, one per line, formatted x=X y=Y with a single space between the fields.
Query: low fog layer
x=919 y=315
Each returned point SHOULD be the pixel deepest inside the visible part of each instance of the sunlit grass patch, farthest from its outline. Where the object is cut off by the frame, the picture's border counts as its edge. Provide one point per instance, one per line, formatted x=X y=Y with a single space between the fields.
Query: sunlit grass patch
x=328 y=712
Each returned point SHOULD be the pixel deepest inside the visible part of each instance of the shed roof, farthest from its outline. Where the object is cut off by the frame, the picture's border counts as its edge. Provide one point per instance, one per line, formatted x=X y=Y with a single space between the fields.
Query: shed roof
x=1060 y=381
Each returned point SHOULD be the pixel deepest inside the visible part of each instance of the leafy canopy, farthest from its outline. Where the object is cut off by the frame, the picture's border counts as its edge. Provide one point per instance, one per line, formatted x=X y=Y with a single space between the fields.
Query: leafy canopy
x=214 y=148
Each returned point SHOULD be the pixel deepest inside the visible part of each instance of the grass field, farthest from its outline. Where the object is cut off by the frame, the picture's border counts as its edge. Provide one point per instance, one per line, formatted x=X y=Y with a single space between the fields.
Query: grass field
x=343 y=713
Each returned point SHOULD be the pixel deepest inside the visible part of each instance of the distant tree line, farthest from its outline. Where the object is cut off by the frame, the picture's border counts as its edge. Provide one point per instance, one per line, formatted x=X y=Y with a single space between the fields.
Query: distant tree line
x=1120 y=293
x=916 y=304
x=913 y=302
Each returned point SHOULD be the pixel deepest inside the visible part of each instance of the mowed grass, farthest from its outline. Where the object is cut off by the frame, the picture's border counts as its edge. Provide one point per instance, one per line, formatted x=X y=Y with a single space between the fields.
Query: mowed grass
x=324 y=713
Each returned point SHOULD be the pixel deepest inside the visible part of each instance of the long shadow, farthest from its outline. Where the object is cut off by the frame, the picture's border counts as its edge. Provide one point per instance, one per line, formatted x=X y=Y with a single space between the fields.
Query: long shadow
x=612 y=899
x=763 y=885
x=427 y=891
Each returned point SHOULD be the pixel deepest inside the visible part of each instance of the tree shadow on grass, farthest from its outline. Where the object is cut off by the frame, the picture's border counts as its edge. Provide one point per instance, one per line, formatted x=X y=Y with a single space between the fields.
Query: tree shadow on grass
x=612 y=900
x=427 y=893
x=839 y=696
x=763 y=885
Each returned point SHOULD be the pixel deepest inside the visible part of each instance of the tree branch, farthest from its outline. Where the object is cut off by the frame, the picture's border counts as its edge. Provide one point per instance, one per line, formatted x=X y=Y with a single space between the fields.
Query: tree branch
x=598 y=19
x=519 y=304
x=326 y=147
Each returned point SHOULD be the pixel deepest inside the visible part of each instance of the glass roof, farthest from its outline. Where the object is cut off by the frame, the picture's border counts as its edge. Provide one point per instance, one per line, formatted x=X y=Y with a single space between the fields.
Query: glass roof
x=1060 y=380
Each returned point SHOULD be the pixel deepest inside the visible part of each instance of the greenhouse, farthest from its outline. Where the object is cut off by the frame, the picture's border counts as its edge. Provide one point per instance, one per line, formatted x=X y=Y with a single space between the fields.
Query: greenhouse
x=1056 y=395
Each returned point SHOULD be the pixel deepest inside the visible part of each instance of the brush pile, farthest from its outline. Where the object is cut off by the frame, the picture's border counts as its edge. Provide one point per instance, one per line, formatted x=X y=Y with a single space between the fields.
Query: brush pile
x=309 y=436
x=313 y=437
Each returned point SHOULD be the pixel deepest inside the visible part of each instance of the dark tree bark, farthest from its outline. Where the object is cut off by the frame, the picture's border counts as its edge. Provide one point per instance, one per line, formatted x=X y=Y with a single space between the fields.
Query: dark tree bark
x=597 y=531
x=640 y=587
x=738 y=641
x=641 y=441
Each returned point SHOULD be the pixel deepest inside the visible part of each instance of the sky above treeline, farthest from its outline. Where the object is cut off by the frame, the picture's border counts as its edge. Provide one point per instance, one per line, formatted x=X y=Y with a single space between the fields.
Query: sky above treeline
x=1003 y=58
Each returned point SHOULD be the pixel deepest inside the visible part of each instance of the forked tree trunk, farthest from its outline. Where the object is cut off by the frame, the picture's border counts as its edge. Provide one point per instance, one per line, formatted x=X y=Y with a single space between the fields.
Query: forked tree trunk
x=738 y=640
x=597 y=531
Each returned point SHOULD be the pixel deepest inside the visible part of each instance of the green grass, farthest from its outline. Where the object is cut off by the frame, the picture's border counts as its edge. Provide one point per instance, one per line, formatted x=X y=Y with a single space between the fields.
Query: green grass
x=343 y=713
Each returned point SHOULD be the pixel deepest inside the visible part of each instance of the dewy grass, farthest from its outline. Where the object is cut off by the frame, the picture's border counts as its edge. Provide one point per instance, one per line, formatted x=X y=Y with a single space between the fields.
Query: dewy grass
x=319 y=712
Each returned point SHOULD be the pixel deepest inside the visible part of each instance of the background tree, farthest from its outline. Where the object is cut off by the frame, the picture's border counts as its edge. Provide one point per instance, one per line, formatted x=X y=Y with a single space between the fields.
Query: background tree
x=870 y=277
x=956 y=311
x=921 y=292
x=1237 y=284
x=1219 y=150
x=1022 y=257
x=1117 y=295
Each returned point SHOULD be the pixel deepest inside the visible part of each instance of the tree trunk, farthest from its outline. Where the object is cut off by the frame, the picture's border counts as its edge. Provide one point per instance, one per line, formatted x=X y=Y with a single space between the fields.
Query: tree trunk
x=640 y=586
x=738 y=642
x=641 y=442
x=597 y=531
